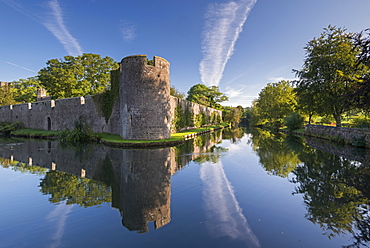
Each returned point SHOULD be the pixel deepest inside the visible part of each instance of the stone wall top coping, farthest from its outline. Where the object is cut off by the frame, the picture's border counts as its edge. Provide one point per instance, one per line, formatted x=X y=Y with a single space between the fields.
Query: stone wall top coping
x=338 y=128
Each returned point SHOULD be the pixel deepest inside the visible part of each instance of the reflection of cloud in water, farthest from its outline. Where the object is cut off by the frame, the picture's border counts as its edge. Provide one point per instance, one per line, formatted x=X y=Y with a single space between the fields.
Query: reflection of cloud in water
x=232 y=148
x=59 y=215
x=223 y=213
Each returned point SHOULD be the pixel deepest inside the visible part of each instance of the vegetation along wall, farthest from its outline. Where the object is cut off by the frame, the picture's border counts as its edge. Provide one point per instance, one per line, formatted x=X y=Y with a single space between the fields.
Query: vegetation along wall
x=138 y=106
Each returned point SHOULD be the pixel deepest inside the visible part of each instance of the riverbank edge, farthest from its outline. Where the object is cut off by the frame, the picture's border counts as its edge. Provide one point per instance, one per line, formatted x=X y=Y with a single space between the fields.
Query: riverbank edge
x=358 y=137
x=176 y=138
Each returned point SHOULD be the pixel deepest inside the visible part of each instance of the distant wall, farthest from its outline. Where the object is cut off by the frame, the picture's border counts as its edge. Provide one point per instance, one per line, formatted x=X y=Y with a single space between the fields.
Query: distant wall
x=352 y=136
x=194 y=108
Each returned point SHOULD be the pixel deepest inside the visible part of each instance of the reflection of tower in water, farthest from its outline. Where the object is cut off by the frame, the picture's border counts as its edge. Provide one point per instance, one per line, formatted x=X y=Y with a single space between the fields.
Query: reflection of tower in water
x=139 y=180
x=145 y=193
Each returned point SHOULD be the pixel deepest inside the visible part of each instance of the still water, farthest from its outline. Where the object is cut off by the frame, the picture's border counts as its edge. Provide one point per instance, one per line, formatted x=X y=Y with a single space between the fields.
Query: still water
x=228 y=189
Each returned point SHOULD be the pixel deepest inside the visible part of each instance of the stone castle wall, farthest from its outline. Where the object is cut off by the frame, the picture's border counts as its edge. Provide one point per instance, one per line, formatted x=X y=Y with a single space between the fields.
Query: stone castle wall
x=144 y=98
x=144 y=110
x=195 y=108
x=58 y=114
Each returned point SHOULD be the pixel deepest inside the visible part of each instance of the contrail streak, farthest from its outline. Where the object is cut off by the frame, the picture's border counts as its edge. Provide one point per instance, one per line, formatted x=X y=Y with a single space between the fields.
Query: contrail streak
x=25 y=68
x=55 y=24
x=224 y=23
x=57 y=27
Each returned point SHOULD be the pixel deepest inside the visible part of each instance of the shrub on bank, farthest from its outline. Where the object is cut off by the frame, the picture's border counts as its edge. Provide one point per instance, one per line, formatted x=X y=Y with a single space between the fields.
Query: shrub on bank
x=81 y=133
x=7 y=127
x=294 y=121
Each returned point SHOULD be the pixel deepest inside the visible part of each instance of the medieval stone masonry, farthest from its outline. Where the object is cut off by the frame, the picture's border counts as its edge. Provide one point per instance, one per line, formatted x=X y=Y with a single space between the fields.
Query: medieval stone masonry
x=144 y=109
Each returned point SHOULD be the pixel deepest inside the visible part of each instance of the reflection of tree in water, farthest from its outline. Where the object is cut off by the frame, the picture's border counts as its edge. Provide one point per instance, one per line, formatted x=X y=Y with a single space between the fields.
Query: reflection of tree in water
x=274 y=152
x=213 y=155
x=201 y=148
x=137 y=182
x=335 y=189
x=63 y=186
x=234 y=134
x=74 y=190
x=336 y=193
x=332 y=202
x=22 y=167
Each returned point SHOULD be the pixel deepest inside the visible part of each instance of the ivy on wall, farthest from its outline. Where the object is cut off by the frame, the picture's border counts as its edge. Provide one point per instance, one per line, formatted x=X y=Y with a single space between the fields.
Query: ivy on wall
x=106 y=100
x=187 y=118
x=200 y=120
x=182 y=118
x=178 y=118
x=215 y=118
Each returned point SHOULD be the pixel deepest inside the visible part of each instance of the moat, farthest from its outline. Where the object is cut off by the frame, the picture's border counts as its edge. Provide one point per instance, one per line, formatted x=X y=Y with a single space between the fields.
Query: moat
x=230 y=188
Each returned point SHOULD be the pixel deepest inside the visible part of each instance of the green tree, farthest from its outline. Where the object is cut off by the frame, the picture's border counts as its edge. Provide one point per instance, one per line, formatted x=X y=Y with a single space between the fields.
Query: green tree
x=275 y=101
x=329 y=72
x=7 y=95
x=255 y=118
x=361 y=91
x=307 y=102
x=208 y=96
x=233 y=115
x=86 y=74
x=176 y=93
x=25 y=90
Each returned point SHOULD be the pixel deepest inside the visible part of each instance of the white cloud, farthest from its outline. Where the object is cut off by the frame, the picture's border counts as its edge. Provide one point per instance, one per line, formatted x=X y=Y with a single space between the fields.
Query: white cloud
x=234 y=149
x=56 y=26
x=233 y=92
x=128 y=31
x=277 y=79
x=224 y=22
x=238 y=96
x=244 y=101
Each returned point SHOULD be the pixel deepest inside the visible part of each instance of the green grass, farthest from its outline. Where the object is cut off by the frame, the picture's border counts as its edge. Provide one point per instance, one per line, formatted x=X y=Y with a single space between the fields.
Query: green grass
x=174 y=137
x=116 y=138
x=35 y=132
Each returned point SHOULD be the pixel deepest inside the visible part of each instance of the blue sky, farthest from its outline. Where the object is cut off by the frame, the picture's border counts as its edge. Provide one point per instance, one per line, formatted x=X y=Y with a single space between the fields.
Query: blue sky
x=238 y=45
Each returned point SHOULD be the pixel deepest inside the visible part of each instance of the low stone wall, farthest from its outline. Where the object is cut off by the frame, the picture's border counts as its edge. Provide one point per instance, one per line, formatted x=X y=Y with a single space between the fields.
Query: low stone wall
x=351 y=136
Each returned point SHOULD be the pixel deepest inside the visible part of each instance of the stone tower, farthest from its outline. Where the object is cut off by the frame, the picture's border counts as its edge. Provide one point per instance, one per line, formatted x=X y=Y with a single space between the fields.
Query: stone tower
x=41 y=95
x=145 y=98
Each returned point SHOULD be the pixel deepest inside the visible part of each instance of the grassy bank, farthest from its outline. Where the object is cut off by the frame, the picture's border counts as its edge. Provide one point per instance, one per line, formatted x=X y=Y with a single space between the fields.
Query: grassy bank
x=117 y=141
x=35 y=133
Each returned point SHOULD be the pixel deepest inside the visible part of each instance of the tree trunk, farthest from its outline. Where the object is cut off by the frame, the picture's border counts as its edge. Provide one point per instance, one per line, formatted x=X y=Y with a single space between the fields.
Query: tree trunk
x=338 y=120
